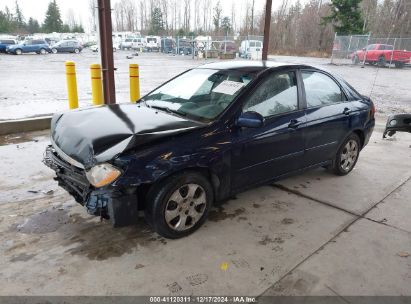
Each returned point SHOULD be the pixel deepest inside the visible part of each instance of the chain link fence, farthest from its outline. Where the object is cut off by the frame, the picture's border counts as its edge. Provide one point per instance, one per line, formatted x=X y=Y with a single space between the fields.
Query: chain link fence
x=223 y=47
x=364 y=49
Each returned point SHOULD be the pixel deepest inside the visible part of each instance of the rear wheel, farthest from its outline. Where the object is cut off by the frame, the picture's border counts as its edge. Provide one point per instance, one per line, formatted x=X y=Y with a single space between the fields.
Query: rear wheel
x=54 y=50
x=76 y=51
x=18 y=52
x=179 y=205
x=43 y=51
x=347 y=155
x=399 y=65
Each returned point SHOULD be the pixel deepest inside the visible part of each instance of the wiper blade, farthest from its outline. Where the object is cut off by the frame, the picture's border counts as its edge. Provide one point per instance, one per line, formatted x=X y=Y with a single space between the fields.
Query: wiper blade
x=167 y=109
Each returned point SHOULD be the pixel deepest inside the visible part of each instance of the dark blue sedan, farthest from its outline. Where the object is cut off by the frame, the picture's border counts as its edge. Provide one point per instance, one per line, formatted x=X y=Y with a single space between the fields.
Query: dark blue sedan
x=205 y=135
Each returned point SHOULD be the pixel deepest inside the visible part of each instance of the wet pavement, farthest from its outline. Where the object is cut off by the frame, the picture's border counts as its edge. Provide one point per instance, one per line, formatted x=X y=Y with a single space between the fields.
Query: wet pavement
x=313 y=234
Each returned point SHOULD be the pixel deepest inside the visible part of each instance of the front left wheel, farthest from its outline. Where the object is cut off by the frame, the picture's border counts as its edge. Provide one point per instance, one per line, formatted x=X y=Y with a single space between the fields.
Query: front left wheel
x=179 y=205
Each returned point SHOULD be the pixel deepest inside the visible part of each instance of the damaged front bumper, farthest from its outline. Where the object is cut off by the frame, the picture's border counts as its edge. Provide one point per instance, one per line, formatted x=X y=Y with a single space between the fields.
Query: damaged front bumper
x=397 y=123
x=119 y=204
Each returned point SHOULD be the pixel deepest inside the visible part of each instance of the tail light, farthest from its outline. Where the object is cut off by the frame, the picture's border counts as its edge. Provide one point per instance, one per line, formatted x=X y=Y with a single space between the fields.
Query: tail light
x=372 y=111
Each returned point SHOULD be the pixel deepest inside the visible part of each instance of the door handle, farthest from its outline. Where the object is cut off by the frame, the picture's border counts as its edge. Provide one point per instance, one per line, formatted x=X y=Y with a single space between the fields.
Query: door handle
x=294 y=123
x=346 y=111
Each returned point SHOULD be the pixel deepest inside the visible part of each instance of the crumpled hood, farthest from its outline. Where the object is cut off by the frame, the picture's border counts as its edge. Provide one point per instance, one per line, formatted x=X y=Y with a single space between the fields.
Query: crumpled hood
x=97 y=134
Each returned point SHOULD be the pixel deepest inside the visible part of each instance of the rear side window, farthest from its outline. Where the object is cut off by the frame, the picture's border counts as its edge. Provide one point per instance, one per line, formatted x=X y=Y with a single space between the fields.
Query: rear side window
x=7 y=42
x=321 y=90
x=275 y=95
x=39 y=42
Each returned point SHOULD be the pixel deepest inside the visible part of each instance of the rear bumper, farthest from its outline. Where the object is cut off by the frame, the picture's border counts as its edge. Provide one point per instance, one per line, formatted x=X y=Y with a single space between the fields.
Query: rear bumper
x=114 y=203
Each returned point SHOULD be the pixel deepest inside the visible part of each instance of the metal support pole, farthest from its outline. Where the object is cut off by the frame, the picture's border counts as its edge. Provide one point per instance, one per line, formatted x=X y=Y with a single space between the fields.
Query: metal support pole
x=106 y=50
x=267 y=23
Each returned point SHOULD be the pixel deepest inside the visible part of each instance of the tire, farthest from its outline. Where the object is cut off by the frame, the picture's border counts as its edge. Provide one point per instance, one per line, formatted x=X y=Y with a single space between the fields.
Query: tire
x=54 y=51
x=347 y=155
x=399 y=65
x=43 y=51
x=18 y=52
x=76 y=51
x=355 y=59
x=178 y=205
x=381 y=61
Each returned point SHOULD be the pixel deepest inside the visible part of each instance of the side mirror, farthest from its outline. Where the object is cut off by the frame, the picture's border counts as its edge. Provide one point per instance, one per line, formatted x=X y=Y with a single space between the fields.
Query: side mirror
x=250 y=120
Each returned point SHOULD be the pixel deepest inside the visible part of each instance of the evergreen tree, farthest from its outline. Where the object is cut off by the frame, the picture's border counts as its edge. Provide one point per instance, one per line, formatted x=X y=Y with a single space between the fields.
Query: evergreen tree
x=33 y=26
x=52 y=22
x=345 y=17
x=18 y=16
x=226 y=25
x=157 y=23
x=7 y=23
x=217 y=16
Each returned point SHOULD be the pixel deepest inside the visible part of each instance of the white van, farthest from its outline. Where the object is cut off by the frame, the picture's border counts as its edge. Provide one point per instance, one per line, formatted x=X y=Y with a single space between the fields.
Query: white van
x=251 y=48
x=153 y=43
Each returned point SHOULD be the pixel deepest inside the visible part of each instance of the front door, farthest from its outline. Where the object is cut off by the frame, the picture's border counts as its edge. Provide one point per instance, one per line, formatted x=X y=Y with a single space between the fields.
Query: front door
x=261 y=154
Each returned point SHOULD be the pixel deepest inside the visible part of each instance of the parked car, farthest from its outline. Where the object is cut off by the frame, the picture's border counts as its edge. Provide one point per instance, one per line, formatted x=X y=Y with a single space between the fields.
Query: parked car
x=132 y=43
x=228 y=47
x=248 y=47
x=184 y=47
x=39 y=46
x=168 y=45
x=95 y=47
x=204 y=136
x=153 y=43
x=382 y=54
x=67 y=46
x=4 y=43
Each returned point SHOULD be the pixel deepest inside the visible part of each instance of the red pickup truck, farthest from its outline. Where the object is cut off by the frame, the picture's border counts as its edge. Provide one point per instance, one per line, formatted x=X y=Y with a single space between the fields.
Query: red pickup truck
x=382 y=54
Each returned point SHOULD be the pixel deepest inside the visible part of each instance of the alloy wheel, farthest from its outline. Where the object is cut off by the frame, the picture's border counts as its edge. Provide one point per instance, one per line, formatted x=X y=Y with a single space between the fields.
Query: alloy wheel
x=54 y=51
x=185 y=207
x=349 y=155
x=42 y=51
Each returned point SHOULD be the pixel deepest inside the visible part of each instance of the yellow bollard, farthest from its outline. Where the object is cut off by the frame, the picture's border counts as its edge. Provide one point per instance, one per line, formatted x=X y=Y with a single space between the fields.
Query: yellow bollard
x=96 y=84
x=71 y=85
x=134 y=82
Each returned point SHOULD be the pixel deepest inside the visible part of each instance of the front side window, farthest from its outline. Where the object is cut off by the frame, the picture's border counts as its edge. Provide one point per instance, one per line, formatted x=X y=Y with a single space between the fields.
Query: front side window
x=321 y=90
x=202 y=94
x=275 y=95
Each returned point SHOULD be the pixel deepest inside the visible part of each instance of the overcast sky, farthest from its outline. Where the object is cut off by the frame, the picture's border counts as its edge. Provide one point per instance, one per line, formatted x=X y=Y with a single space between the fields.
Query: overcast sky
x=37 y=8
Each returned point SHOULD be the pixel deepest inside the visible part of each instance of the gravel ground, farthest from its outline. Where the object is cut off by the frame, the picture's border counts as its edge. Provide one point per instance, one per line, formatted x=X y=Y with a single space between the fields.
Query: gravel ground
x=34 y=85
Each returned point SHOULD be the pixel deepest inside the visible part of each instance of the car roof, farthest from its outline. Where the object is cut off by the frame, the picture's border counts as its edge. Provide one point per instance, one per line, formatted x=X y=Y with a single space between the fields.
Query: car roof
x=255 y=65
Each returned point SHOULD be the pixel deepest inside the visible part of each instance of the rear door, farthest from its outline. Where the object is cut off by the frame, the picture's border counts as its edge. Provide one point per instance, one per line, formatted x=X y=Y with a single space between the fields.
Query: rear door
x=328 y=116
x=261 y=154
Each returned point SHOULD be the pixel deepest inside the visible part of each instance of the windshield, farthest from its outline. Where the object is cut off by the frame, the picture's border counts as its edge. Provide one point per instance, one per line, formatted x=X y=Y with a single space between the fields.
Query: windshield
x=202 y=94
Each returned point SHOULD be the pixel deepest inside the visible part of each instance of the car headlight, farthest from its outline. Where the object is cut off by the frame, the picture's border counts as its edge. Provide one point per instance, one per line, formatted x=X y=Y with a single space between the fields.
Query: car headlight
x=393 y=122
x=102 y=175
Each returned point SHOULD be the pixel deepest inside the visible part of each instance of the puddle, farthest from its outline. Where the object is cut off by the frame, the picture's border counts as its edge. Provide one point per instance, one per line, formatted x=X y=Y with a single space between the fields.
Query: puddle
x=43 y=222
x=87 y=236
x=218 y=214
x=22 y=257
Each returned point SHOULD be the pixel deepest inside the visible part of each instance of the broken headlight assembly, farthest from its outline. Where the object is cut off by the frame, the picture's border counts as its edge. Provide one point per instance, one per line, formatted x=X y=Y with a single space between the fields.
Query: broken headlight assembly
x=102 y=175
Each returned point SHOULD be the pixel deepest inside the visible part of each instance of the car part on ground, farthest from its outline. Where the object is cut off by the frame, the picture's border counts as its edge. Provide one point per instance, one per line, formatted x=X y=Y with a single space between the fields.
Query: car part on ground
x=397 y=123
x=202 y=138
